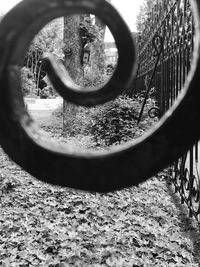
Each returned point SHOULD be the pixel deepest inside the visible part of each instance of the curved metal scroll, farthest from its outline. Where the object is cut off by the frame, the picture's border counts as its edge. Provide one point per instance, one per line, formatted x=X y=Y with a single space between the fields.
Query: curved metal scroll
x=94 y=171
x=186 y=180
x=154 y=112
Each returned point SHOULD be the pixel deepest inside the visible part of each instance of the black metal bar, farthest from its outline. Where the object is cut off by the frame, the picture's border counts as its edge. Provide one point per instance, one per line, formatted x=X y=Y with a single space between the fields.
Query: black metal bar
x=158 y=52
x=177 y=26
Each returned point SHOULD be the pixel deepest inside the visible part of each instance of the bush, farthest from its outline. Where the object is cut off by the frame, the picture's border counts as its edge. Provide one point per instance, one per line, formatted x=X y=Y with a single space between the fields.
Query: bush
x=110 y=124
x=116 y=121
x=76 y=120
x=92 y=78
x=44 y=93
x=28 y=82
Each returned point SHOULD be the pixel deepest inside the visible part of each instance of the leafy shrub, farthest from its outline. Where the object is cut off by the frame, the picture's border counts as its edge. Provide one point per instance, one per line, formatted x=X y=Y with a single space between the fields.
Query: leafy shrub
x=76 y=120
x=116 y=121
x=93 y=78
x=110 y=124
x=45 y=93
x=28 y=82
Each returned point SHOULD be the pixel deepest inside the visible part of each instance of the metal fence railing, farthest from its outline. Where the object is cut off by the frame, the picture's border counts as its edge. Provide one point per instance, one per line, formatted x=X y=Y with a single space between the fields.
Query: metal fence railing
x=172 y=20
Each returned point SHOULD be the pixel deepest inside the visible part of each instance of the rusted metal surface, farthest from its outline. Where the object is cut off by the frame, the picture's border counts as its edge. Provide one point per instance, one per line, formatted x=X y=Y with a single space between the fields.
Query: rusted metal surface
x=94 y=171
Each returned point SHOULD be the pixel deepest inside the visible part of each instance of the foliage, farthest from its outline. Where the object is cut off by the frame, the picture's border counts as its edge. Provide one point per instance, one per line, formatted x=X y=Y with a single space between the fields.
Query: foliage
x=92 y=79
x=89 y=31
x=45 y=93
x=48 y=40
x=145 y=8
x=92 y=32
x=110 y=124
x=116 y=121
x=28 y=82
x=43 y=225
x=76 y=120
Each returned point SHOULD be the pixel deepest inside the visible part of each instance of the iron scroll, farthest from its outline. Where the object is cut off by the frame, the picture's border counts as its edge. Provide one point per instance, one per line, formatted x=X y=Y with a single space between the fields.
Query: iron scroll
x=103 y=171
x=158 y=48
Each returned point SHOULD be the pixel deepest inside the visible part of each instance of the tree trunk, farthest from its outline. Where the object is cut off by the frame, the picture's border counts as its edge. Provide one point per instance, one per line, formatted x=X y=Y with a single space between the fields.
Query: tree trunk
x=72 y=48
x=81 y=71
x=72 y=61
x=98 y=50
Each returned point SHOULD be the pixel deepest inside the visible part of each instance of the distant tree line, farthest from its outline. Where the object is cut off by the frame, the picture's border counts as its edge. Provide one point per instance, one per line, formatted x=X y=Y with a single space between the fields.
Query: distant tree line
x=143 y=13
x=49 y=39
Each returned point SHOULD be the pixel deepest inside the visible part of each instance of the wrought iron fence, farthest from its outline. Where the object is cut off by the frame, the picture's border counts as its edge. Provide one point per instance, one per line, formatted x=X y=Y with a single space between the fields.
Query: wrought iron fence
x=131 y=164
x=172 y=21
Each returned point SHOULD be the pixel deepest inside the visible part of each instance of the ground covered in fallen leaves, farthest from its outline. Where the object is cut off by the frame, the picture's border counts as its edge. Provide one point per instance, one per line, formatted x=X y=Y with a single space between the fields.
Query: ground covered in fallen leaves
x=44 y=225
